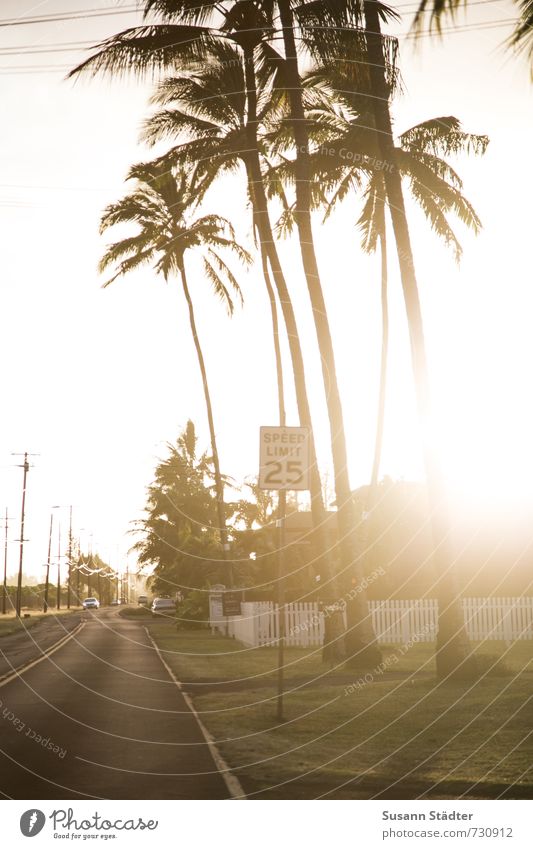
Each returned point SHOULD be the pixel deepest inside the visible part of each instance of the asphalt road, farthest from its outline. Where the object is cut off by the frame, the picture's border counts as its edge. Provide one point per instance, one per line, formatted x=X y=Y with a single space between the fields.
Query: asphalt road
x=101 y=718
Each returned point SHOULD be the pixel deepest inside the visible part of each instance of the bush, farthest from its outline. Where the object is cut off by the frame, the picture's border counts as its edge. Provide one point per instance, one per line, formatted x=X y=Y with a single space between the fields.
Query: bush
x=193 y=611
x=134 y=612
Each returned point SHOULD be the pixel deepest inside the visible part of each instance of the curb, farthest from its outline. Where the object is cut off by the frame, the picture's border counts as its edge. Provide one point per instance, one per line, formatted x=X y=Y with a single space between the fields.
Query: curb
x=231 y=781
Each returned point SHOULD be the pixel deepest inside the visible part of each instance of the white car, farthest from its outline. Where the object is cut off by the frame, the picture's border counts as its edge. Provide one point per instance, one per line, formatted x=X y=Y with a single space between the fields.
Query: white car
x=164 y=607
x=90 y=603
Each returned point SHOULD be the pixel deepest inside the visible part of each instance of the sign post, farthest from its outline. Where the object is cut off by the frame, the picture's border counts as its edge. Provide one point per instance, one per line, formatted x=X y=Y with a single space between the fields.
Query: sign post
x=283 y=466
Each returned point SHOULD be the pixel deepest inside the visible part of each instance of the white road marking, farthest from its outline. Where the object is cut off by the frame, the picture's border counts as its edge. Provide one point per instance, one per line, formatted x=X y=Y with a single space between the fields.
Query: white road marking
x=231 y=781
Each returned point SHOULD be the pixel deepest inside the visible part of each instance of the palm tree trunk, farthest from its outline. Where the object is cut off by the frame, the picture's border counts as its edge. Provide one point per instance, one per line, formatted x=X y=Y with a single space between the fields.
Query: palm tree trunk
x=334 y=646
x=219 y=486
x=378 y=445
x=275 y=337
x=452 y=642
x=361 y=641
x=371 y=537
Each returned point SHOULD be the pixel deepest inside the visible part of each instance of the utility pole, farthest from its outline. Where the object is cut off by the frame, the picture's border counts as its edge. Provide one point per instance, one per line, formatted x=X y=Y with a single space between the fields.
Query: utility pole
x=4 y=588
x=127 y=583
x=78 y=576
x=89 y=564
x=47 y=582
x=58 y=603
x=69 y=558
x=25 y=466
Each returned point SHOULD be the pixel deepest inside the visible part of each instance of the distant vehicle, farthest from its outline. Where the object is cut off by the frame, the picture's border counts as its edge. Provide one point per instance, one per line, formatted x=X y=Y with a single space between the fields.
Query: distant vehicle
x=163 y=606
x=91 y=602
x=115 y=602
x=123 y=601
x=143 y=599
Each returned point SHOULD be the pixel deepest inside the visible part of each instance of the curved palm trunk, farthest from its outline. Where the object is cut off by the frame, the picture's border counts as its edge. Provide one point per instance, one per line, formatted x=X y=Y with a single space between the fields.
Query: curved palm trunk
x=360 y=638
x=275 y=337
x=219 y=486
x=452 y=642
x=333 y=642
x=378 y=445
x=370 y=556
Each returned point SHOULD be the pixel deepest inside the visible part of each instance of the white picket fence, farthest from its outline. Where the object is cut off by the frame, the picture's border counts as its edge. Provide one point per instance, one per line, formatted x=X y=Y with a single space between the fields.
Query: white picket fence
x=399 y=621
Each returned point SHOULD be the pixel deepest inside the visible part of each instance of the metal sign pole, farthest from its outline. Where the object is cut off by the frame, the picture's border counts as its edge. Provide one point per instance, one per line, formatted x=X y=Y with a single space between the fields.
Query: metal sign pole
x=283 y=466
x=282 y=504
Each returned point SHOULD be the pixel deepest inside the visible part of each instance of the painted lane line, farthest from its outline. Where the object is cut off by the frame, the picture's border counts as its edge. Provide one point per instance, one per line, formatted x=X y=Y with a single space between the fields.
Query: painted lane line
x=231 y=781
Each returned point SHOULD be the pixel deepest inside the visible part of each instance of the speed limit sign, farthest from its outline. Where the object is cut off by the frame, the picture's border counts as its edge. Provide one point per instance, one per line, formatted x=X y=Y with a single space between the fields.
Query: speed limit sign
x=284 y=458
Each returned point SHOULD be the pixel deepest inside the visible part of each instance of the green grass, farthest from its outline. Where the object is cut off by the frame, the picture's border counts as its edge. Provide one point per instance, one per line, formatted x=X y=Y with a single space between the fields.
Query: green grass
x=10 y=624
x=400 y=730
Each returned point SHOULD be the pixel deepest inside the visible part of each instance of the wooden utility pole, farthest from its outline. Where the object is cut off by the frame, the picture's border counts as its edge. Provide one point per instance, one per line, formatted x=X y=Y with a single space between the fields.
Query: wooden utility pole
x=58 y=602
x=25 y=467
x=69 y=558
x=47 y=582
x=4 y=587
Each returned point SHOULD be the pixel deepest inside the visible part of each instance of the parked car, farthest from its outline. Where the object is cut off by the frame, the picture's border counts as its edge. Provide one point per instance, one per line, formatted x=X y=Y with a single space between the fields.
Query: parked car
x=91 y=603
x=115 y=602
x=143 y=599
x=163 y=606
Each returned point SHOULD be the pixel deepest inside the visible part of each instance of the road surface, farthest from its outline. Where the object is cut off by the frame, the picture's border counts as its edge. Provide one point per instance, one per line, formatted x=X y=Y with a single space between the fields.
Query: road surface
x=101 y=718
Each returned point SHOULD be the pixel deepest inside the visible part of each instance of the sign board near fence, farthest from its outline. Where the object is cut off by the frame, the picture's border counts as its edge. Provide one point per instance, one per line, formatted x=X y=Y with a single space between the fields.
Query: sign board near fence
x=231 y=603
x=284 y=458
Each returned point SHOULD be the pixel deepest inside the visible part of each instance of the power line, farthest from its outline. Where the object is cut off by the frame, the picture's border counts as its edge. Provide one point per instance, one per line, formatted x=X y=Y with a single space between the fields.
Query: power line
x=93 y=12
x=453 y=30
x=59 y=16
x=30 y=49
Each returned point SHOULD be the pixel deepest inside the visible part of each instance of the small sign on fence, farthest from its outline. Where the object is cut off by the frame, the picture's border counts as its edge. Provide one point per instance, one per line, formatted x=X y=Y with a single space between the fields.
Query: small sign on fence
x=231 y=603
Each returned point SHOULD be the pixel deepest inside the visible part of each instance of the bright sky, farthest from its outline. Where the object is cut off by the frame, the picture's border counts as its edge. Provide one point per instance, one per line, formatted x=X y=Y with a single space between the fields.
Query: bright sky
x=97 y=381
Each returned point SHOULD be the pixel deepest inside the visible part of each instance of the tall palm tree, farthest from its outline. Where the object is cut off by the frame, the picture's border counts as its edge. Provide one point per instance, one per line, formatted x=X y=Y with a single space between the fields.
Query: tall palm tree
x=343 y=120
x=219 y=117
x=158 y=205
x=159 y=47
x=438 y=190
x=453 y=651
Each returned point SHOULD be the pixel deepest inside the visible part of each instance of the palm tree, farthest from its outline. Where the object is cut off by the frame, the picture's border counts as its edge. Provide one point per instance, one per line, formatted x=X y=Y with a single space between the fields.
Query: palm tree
x=216 y=109
x=158 y=205
x=159 y=47
x=342 y=118
x=438 y=190
x=453 y=652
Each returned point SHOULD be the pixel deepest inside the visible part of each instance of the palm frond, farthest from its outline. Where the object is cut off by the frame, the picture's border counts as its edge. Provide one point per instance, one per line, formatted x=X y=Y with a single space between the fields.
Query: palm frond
x=185 y=10
x=218 y=286
x=173 y=124
x=522 y=36
x=437 y=11
x=224 y=269
x=127 y=265
x=371 y=222
x=437 y=219
x=146 y=50
x=443 y=136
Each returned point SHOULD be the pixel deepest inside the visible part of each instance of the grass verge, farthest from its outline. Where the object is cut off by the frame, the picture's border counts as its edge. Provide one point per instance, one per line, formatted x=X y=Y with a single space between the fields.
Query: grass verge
x=10 y=624
x=395 y=734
